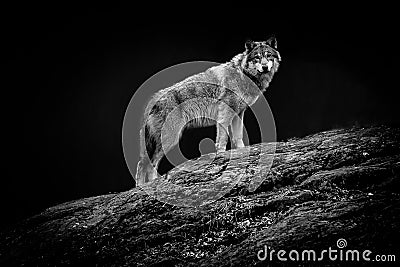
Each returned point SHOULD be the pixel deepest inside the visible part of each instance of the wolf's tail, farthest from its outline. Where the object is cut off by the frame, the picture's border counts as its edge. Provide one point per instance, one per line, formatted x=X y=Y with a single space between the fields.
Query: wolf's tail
x=144 y=162
x=145 y=169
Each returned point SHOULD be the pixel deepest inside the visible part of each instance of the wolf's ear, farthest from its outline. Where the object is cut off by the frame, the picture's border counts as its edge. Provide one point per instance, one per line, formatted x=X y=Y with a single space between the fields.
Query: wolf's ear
x=272 y=42
x=249 y=45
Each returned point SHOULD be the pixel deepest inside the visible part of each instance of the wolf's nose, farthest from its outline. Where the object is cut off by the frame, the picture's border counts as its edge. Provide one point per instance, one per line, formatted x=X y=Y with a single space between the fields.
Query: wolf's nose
x=264 y=61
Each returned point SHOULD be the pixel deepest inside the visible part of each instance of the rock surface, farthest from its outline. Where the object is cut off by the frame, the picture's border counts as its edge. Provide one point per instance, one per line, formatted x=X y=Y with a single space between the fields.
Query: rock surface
x=336 y=184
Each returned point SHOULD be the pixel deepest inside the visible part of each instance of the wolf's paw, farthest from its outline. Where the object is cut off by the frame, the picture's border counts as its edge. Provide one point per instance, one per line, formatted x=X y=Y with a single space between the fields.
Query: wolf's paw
x=238 y=143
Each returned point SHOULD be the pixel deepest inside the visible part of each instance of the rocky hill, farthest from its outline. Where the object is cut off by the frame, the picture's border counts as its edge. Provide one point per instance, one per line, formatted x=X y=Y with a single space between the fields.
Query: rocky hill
x=338 y=184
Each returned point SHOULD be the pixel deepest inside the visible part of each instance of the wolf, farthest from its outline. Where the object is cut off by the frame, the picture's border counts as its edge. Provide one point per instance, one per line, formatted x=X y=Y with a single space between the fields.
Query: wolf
x=218 y=96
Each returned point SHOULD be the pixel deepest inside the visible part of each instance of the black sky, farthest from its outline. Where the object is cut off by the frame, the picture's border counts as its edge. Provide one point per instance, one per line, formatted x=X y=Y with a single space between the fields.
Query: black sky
x=70 y=71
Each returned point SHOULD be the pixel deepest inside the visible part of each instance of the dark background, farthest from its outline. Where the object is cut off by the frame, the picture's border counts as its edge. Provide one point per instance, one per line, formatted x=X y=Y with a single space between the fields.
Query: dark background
x=70 y=71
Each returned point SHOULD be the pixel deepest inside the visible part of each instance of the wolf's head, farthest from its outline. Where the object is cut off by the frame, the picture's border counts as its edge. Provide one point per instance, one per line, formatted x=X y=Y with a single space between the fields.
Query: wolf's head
x=261 y=60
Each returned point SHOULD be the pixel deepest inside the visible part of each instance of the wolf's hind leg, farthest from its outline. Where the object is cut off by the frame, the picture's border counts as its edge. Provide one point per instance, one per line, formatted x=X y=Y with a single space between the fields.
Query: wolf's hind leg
x=155 y=162
x=169 y=136
x=237 y=130
x=222 y=137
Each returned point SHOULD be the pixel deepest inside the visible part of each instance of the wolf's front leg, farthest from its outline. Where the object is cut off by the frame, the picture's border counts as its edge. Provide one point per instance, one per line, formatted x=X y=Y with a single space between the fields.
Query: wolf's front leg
x=237 y=130
x=224 y=119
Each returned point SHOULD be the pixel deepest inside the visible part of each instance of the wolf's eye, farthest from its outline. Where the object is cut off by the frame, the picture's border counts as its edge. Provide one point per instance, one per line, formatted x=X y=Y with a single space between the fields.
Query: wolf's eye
x=257 y=57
